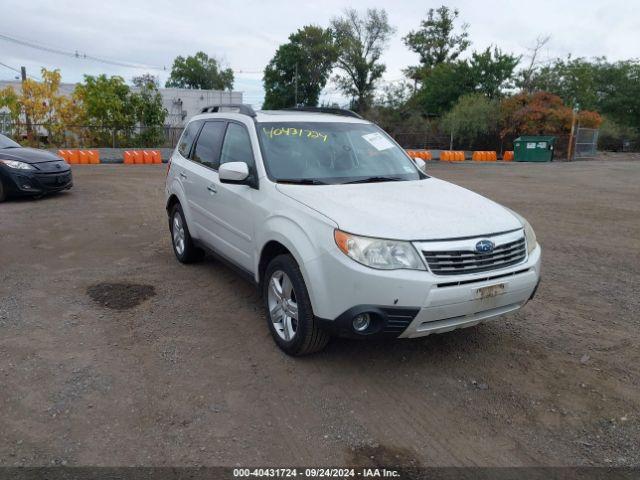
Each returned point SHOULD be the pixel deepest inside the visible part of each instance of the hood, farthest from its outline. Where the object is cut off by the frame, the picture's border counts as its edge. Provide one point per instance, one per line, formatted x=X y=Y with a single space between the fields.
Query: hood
x=28 y=155
x=426 y=209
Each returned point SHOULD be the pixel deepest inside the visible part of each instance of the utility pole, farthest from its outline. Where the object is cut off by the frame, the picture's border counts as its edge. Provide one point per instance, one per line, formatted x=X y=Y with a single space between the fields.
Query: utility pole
x=23 y=74
x=573 y=132
x=296 y=83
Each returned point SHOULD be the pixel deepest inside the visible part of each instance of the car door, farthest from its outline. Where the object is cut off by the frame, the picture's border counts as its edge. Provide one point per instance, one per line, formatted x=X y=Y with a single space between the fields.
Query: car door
x=181 y=164
x=231 y=207
x=201 y=178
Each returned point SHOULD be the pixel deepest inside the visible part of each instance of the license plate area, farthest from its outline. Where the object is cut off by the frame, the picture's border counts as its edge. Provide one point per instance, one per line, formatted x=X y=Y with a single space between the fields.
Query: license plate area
x=490 y=291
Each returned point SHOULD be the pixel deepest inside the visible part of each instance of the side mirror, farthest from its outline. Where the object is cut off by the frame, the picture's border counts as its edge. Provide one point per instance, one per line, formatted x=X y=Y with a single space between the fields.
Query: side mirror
x=233 y=172
x=421 y=164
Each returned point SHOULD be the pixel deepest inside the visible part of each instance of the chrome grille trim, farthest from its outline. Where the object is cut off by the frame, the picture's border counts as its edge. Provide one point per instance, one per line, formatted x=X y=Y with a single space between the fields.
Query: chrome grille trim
x=459 y=258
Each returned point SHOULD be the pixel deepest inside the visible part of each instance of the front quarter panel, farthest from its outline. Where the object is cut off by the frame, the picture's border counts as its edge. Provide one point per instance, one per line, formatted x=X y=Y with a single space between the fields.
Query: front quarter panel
x=306 y=233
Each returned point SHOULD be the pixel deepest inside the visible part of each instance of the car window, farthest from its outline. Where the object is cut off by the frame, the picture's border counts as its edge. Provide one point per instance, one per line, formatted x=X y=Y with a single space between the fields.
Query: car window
x=207 y=149
x=7 y=143
x=187 y=138
x=332 y=152
x=237 y=146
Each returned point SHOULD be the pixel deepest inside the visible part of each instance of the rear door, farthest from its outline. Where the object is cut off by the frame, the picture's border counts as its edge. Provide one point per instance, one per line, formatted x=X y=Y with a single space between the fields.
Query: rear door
x=181 y=164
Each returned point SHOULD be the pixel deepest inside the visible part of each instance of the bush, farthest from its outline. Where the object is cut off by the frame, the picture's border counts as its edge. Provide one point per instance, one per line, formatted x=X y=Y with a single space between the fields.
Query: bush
x=473 y=117
x=613 y=136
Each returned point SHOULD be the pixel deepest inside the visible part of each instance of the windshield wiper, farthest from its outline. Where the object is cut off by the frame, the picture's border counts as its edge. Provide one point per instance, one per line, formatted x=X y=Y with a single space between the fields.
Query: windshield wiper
x=302 y=181
x=376 y=179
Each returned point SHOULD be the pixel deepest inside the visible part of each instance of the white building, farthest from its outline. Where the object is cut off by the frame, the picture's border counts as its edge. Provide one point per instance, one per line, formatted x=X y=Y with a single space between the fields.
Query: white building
x=181 y=103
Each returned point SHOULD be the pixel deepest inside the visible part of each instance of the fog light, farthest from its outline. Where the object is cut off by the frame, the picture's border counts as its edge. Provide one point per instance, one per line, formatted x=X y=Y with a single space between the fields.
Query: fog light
x=361 y=322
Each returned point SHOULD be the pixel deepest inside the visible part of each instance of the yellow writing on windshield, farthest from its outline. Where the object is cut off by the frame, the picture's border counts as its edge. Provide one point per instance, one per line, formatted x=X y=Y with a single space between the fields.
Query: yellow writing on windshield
x=294 y=132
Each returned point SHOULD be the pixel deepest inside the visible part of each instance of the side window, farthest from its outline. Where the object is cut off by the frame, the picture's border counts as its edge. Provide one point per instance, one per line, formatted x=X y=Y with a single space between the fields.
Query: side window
x=237 y=146
x=207 y=149
x=187 y=138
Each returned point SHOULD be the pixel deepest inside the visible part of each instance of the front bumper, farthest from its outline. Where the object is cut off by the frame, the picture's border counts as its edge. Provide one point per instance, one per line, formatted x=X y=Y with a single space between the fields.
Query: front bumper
x=25 y=182
x=427 y=303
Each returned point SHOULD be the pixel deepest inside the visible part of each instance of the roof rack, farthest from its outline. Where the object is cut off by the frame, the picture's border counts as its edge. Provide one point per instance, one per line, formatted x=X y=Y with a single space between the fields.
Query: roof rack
x=233 y=107
x=335 y=111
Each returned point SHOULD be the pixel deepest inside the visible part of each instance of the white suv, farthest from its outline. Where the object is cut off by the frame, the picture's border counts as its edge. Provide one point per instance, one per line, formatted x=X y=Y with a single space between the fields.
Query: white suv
x=342 y=231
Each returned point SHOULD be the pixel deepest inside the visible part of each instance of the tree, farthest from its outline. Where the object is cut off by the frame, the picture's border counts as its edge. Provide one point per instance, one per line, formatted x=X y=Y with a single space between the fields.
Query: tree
x=145 y=79
x=442 y=88
x=472 y=117
x=540 y=113
x=436 y=41
x=526 y=75
x=300 y=68
x=43 y=103
x=612 y=89
x=106 y=101
x=108 y=109
x=9 y=99
x=361 y=41
x=492 y=71
x=150 y=113
x=200 y=72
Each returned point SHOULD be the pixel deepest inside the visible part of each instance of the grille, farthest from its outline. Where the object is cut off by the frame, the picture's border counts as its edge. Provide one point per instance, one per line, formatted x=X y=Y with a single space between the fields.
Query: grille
x=52 y=180
x=459 y=262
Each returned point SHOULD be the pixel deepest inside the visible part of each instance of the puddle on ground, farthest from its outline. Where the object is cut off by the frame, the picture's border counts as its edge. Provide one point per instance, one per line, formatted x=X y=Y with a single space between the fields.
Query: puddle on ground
x=120 y=296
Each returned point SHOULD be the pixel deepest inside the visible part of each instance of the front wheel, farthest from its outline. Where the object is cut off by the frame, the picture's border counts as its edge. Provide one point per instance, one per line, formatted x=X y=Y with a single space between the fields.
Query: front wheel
x=3 y=192
x=183 y=246
x=288 y=309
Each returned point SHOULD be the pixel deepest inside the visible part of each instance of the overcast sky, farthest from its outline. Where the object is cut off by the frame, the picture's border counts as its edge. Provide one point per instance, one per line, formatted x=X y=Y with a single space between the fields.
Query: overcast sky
x=245 y=33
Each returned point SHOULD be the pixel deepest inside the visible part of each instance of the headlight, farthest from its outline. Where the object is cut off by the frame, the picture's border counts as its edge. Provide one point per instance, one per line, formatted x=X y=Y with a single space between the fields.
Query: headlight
x=379 y=253
x=17 y=165
x=529 y=234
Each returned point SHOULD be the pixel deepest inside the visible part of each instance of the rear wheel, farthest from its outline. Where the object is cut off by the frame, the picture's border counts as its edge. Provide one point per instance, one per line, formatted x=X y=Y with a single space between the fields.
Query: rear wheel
x=3 y=192
x=288 y=308
x=183 y=246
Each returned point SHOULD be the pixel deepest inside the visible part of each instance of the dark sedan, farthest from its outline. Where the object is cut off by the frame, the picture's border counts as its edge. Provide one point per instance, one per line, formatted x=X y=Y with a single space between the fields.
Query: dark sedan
x=28 y=171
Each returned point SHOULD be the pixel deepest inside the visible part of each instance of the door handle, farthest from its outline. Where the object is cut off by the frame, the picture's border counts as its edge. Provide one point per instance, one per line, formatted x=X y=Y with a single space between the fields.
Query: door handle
x=183 y=175
x=212 y=189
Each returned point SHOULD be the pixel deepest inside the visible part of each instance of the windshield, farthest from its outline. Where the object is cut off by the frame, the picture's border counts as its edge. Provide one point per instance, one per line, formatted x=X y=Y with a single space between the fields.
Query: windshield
x=7 y=143
x=325 y=153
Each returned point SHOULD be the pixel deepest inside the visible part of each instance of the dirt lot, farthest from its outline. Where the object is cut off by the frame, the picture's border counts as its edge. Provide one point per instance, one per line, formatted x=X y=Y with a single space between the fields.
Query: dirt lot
x=179 y=368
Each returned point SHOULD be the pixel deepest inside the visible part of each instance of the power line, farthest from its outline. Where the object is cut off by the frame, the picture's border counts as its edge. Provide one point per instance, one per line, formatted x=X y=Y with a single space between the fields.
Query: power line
x=79 y=55
x=16 y=70
x=9 y=67
x=84 y=56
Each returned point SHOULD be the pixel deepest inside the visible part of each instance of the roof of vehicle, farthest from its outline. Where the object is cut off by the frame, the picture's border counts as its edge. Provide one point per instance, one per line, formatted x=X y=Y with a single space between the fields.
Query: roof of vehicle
x=292 y=116
x=282 y=116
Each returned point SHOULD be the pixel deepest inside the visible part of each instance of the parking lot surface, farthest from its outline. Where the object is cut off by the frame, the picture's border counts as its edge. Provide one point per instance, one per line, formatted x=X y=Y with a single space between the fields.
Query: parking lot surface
x=113 y=353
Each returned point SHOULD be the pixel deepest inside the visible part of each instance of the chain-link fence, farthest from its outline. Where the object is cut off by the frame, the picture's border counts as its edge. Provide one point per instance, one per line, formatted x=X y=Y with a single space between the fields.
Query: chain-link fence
x=585 y=143
x=429 y=141
x=91 y=136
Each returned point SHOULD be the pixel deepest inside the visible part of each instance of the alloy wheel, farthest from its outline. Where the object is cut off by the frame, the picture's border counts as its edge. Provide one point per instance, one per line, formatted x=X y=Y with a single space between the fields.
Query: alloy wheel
x=178 y=233
x=283 y=308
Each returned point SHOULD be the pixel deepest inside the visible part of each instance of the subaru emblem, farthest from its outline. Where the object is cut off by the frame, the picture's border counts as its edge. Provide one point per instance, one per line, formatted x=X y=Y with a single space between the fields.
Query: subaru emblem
x=484 y=246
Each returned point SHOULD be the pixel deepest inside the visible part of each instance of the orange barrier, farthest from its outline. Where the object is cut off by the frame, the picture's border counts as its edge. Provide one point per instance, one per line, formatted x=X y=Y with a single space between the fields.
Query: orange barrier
x=80 y=157
x=507 y=156
x=483 y=156
x=423 y=154
x=140 y=157
x=451 y=156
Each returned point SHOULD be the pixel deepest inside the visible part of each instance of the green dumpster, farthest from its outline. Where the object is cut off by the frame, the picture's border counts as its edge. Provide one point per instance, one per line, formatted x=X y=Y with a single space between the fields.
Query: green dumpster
x=533 y=148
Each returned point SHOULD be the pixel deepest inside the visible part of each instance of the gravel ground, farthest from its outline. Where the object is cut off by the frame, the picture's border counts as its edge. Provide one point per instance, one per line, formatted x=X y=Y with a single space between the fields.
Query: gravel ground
x=112 y=353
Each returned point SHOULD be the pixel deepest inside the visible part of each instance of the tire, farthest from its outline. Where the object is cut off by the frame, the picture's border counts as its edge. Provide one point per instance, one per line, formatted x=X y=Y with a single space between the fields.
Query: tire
x=3 y=192
x=295 y=335
x=182 y=243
